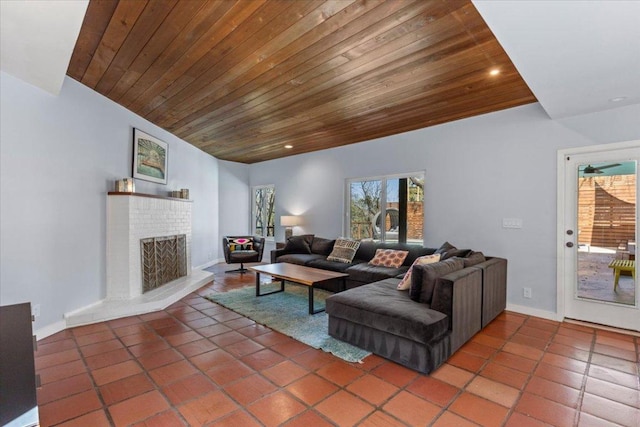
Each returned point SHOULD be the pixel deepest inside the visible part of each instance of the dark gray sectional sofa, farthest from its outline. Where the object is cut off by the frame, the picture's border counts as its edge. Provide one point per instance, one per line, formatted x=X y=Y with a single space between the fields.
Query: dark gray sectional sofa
x=449 y=301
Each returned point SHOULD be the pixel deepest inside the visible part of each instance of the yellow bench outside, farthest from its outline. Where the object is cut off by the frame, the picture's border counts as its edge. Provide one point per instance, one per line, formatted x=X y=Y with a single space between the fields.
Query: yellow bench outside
x=619 y=265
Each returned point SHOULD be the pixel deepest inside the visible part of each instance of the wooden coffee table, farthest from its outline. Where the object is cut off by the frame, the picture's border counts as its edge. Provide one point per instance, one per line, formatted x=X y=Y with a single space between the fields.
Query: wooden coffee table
x=297 y=274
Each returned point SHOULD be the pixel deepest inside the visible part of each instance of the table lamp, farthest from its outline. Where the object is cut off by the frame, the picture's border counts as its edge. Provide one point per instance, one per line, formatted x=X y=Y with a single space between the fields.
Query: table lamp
x=289 y=221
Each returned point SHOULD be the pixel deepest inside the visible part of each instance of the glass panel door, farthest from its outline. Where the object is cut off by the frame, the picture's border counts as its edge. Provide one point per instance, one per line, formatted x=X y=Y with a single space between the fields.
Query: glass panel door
x=599 y=237
x=607 y=232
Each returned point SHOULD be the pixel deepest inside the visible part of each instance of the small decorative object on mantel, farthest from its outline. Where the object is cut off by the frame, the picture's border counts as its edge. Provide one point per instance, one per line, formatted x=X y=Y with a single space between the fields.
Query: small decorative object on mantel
x=180 y=194
x=125 y=185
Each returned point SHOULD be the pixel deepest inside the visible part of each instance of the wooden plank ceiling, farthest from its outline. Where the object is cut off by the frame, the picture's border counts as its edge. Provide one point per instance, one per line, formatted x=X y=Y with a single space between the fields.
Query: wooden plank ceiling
x=242 y=79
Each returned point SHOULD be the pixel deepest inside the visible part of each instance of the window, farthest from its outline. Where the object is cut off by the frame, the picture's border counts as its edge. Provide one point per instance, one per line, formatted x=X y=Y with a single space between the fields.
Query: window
x=264 y=210
x=387 y=209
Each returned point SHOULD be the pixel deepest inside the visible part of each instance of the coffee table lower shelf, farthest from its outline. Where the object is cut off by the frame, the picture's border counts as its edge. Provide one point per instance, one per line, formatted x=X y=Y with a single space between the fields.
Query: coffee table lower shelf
x=298 y=275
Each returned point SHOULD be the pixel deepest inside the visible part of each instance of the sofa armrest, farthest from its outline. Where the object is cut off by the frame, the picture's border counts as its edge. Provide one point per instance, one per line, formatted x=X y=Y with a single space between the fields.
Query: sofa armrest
x=275 y=253
x=494 y=288
x=459 y=296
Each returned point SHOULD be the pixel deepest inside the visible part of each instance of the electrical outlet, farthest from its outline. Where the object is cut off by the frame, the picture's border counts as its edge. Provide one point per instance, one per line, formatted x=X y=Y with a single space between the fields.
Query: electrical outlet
x=526 y=292
x=35 y=310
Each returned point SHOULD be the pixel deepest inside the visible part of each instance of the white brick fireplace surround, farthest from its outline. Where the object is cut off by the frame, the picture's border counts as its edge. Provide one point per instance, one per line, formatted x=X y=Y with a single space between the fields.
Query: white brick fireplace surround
x=130 y=218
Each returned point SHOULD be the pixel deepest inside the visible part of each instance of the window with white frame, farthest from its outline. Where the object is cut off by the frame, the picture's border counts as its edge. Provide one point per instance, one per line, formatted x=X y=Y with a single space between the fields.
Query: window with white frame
x=386 y=208
x=263 y=208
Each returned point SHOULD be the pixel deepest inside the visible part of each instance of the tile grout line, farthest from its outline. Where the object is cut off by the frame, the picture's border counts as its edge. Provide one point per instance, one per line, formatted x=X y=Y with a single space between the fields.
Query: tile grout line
x=585 y=378
x=241 y=407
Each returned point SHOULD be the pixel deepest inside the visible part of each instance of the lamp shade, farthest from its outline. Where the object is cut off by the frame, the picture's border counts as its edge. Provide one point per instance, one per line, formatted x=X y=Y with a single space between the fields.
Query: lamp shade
x=289 y=220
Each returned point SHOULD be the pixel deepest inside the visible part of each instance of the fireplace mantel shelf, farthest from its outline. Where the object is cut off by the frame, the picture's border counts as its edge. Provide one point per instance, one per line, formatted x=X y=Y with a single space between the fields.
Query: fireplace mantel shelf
x=153 y=196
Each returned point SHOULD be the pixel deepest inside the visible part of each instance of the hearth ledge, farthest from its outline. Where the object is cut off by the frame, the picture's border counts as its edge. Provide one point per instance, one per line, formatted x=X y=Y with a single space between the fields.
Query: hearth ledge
x=157 y=299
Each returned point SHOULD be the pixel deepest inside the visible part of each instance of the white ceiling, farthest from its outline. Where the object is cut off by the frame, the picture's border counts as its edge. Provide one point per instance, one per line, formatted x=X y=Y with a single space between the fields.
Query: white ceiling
x=37 y=39
x=576 y=56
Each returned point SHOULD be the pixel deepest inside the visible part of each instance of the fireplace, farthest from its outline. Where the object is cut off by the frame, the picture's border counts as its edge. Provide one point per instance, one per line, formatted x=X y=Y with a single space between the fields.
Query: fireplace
x=163 y=259
x=137 y=224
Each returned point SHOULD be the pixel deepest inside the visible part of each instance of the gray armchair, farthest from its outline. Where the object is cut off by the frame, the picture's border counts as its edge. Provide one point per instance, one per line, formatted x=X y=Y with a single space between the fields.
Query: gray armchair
x=241 y=249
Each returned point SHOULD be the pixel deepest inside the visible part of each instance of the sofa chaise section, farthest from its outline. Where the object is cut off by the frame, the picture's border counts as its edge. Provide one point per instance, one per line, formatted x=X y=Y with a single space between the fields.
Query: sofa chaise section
x=379 y=318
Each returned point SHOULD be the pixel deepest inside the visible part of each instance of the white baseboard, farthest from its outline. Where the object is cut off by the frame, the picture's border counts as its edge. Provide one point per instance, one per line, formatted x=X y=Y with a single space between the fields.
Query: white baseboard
x=106 y=310
x=209 y=264
x=529 y=311
x=205 y=265
x=49 y=330
x=157 y=299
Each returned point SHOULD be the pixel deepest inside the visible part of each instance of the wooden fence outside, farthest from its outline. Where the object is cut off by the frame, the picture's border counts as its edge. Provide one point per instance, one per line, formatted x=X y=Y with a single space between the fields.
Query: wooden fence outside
x=607 y=210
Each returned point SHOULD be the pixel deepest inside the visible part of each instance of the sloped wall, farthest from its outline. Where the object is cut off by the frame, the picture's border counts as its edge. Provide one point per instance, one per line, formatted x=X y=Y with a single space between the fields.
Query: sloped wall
x=59 y=156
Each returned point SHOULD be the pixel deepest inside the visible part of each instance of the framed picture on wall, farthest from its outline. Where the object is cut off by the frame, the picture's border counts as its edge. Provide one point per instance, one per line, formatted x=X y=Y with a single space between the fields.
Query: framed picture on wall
x=150 y=157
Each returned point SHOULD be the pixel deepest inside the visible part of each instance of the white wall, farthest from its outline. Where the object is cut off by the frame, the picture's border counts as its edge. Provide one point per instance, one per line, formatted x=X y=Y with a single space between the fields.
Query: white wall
x=59 y=155
x=235 y=200
x=478 y=171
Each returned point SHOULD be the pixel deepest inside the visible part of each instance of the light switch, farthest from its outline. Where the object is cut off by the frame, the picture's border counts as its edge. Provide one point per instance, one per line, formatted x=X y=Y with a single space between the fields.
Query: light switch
x=511 y=222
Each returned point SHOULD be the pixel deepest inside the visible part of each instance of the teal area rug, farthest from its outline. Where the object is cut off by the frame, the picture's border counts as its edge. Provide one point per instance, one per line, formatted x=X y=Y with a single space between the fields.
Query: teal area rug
x=288 y=312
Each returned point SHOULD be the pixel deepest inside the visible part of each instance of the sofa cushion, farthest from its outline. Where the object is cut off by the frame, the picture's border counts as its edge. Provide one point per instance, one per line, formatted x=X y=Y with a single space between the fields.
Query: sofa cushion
x=380 y=306
x=322 y=246
x=326 y=264
x=367 y=273
x=367 y=250
x=389 y=258
x=344 y=250
x=300 y=259
x=405 y=283
x=424 y=277
x=299 y=244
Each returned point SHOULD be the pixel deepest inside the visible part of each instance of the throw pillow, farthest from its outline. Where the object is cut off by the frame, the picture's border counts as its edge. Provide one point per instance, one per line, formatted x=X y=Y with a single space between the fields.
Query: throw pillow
x=299 y=244
x=446 y=246
x=473 y=258
x=460 y=253
x=406 y=280
x=424 y=277
x=389 y=258
x=322 y=246
x=366 y=250
x=241 y=244
x=344 y=250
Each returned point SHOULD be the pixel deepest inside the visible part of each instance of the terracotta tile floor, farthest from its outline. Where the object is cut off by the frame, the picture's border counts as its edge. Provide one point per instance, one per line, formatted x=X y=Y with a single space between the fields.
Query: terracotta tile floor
x=197 y=363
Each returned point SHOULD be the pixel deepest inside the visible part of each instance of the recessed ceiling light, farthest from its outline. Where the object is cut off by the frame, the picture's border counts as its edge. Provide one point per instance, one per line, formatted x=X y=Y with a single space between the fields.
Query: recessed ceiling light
x=288 y=146
x=618 y=99
x=494 y=72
